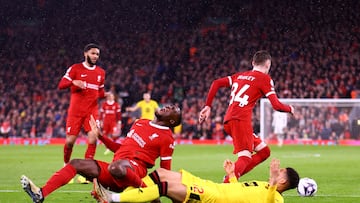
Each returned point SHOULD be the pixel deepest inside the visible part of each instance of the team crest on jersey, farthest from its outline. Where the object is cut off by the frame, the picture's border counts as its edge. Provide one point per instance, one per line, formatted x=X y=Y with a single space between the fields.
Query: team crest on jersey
x=153 y=136
x=99 y=78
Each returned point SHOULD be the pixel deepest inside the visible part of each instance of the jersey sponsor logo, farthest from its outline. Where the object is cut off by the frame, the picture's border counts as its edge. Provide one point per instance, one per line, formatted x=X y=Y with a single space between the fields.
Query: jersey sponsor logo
x=92 y=86
x=83 y=75
x=138 y=124
x=133 y=135
x=109 y=111
x=153 y=136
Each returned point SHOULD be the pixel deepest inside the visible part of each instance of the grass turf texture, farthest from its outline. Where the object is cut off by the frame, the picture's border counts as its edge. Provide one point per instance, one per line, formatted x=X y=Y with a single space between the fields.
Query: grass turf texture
x=335 y=169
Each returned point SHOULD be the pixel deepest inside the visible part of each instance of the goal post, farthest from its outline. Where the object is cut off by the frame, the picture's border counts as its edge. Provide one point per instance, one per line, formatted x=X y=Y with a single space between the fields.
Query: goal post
x=314 y=119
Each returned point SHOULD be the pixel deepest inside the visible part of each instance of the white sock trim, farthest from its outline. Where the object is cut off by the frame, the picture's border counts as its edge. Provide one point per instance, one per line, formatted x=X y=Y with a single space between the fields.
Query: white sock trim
x=244 y=153
x=115 y=197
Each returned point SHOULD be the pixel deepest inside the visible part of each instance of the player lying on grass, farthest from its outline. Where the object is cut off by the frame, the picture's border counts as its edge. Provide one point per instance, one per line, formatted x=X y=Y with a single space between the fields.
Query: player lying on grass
x=145 y=142
x=185 y=187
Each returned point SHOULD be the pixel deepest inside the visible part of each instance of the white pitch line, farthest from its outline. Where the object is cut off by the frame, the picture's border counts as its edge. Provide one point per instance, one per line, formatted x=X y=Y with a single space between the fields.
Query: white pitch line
x=60 y=191
x=330 y=195
x=301 y=155
x=87 y=191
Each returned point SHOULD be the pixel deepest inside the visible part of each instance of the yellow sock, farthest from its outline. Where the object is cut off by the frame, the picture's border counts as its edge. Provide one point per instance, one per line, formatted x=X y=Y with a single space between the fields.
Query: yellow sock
x=148 y=181
x=145 y=194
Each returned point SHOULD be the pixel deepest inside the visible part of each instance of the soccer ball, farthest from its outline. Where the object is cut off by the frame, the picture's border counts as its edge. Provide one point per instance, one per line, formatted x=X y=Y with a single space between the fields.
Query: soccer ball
x=307 y=187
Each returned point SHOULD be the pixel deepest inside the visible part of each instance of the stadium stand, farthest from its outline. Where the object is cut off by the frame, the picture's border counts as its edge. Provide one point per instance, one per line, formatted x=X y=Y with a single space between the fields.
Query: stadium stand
x=173 y=49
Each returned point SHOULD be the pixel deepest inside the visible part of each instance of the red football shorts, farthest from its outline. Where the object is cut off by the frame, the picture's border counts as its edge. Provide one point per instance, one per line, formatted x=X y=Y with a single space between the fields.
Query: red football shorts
x=117 y=185
x=241 y=133
x=75 y=123
x=109 y=128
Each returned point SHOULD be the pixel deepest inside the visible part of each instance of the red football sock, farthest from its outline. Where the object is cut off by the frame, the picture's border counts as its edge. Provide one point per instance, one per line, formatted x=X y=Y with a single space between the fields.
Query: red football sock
x=163 y=188
x=67 y=153
x=58 y=179
x=257 y=158
x=155 y=177
x=240 y=166
x=133 y=179
x=90 y=151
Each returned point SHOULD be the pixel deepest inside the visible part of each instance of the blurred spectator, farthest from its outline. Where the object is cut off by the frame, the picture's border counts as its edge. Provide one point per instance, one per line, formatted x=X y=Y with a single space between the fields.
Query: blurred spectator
x=175 y=49
x=5 y=129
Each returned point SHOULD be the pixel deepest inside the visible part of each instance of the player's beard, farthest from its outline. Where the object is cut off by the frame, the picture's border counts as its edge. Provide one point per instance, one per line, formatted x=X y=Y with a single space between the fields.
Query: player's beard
x=89 y=61
x=158 y=116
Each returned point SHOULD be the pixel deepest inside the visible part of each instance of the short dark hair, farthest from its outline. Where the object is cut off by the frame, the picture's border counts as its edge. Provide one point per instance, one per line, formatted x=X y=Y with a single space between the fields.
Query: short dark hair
x=90 y=46
x=261 y=56
x=177 y=121
x=293 y=177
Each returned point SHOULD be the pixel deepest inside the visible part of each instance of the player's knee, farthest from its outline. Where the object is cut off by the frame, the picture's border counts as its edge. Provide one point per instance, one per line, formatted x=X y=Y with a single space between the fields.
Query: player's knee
x=69 y=144
x=70 y=140
x=118 y=169
x=76 y=163
x=85 y=167
x=161 y=172
x=165 y=174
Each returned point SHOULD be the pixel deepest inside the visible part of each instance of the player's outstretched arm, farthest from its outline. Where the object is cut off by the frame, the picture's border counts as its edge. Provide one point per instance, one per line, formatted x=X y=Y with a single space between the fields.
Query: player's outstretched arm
x=132 y=108
x=111 y=145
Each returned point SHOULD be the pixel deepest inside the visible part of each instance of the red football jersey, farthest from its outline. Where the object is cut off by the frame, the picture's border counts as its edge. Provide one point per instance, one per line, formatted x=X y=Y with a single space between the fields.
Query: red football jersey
x=110 y=111
x=84 y=101
x=246 y=89
x=145 y=142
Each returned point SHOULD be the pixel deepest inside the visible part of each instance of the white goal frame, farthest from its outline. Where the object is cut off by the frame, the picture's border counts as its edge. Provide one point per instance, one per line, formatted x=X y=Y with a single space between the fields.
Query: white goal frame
x=266 y=109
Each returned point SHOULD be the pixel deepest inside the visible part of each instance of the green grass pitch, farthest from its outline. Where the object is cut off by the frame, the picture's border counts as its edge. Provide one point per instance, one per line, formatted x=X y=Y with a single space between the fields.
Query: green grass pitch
x=336 y=170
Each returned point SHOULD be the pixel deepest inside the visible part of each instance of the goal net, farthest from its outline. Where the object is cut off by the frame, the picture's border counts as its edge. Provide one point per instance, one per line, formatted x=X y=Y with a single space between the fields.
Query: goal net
x=314 y=119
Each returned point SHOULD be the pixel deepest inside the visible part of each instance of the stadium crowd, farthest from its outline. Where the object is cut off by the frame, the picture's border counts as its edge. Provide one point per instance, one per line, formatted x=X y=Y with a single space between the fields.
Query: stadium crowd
x=174 y=50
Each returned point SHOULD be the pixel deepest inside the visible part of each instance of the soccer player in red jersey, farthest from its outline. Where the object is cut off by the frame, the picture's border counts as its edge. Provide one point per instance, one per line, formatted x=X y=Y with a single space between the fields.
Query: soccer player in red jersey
x=146 y=141
x=86 y=83
x=246 y=89
x=110 y=117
